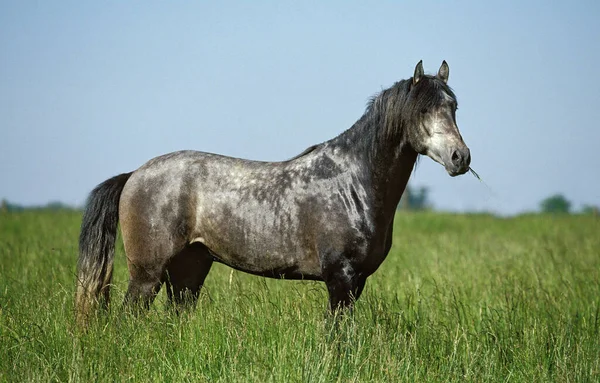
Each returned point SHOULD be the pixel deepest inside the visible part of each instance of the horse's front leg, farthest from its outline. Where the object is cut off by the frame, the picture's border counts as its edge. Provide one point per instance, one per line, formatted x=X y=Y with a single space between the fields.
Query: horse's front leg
x=344 y=283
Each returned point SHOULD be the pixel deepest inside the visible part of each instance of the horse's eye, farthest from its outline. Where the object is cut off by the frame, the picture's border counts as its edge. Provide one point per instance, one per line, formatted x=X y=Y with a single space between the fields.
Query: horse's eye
x=424 y=110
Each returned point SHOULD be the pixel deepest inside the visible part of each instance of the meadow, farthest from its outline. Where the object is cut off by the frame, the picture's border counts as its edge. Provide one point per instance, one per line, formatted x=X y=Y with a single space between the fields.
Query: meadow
x=459 y=298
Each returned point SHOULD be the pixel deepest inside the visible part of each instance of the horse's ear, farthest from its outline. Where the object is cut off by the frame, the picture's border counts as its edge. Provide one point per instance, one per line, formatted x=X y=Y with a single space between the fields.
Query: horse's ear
x=444 y=72
x=418 y=72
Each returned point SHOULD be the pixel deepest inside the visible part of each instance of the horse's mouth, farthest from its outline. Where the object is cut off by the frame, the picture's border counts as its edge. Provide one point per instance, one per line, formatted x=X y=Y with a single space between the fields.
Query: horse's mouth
x=457 y=171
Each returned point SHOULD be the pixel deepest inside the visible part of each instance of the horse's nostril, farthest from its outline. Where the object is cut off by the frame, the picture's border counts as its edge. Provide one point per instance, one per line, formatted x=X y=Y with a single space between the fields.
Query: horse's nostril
x=456 y=157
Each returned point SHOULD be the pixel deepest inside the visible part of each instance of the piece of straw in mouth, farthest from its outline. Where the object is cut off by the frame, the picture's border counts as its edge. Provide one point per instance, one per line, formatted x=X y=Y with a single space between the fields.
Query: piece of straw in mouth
x=474 y=173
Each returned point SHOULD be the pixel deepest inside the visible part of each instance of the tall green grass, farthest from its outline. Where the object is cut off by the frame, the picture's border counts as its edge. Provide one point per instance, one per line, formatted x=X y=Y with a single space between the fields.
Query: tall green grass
x=459 y=298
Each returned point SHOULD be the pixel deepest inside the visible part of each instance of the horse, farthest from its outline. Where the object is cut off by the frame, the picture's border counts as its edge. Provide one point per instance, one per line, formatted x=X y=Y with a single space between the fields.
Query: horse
x=326 y=214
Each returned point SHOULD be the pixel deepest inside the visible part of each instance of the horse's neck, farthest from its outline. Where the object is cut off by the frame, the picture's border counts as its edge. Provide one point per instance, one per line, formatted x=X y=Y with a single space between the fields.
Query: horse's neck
x=390 y=177
x=387 y=164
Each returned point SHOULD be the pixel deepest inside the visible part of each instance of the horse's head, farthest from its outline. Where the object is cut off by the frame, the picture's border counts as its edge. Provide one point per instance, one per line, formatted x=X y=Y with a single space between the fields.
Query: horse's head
x=433 y=127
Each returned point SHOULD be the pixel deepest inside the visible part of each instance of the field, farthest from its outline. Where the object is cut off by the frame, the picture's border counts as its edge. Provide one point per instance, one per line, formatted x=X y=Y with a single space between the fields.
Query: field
x=459 y=298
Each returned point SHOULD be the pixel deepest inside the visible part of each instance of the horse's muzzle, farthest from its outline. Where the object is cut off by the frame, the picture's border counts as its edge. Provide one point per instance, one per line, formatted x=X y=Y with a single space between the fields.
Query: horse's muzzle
x=460 y=159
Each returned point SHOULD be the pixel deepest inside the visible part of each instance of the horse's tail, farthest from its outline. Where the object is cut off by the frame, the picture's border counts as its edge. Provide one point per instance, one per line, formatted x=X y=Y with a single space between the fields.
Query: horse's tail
x=97 y=246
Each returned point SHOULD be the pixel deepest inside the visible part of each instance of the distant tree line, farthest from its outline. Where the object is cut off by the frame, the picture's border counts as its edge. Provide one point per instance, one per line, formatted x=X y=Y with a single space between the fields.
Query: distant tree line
x=6 y=206
x=415 y=198
x=558 y=204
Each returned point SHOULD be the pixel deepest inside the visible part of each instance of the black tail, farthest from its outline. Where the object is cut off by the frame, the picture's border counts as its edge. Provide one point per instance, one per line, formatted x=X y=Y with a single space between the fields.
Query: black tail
x=97 y=246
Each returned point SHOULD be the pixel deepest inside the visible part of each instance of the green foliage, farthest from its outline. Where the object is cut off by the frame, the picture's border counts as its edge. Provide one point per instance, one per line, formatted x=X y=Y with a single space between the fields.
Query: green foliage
x=415 y=198
x=459 y=298
x=6 y=206
x=555 y=204
x=590 y=210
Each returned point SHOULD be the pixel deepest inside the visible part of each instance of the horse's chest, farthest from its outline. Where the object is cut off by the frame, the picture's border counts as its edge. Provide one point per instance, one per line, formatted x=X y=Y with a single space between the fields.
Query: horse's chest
x=373 y=253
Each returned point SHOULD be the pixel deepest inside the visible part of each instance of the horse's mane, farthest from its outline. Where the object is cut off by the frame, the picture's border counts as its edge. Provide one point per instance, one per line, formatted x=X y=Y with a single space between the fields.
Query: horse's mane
x=304 y=152
x=389 y=112
x=404 y=101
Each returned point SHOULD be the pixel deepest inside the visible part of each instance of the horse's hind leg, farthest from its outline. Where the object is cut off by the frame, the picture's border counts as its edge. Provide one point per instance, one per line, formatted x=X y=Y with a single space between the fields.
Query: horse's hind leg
x=145 y=280
x=143 y=287
x=186 y=273
x=147 y=262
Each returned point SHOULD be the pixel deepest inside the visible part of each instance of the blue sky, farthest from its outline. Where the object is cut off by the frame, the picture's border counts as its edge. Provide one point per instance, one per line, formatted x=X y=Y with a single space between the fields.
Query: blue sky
x=92 y=89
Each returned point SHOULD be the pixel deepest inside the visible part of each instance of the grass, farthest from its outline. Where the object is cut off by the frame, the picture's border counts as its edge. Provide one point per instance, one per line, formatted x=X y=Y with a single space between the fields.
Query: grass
x=459 y=298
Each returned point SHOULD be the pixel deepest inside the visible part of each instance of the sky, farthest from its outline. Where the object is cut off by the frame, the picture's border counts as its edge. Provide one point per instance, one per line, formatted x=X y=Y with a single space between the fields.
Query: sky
x=91 y=89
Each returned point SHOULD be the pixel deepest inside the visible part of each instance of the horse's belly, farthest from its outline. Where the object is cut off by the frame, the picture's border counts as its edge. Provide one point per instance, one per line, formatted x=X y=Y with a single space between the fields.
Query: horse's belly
x=265 y=259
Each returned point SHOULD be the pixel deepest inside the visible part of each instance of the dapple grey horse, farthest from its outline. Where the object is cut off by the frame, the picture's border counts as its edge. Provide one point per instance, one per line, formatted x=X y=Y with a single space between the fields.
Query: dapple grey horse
x=326 y=214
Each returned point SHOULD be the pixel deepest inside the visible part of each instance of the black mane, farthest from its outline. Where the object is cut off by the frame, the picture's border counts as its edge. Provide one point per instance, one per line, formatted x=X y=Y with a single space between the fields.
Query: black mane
x=304 y=152
x=390 y=111
x=398 y=99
